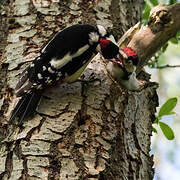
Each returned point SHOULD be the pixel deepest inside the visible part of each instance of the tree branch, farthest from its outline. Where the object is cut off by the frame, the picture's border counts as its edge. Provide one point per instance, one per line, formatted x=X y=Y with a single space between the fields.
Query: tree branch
x=163 y=24
x=167 y=66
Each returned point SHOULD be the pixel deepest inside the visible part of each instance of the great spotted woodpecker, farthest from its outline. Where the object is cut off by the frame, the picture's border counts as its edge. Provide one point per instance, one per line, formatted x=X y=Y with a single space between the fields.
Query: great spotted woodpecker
x=63 y=59
x=123 y=69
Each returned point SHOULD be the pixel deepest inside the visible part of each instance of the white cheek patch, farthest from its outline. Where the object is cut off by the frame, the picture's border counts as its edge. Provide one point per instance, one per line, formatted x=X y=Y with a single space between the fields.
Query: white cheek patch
x=111 y=38
x=58 y=63
x=93 y=37
x=101 y=30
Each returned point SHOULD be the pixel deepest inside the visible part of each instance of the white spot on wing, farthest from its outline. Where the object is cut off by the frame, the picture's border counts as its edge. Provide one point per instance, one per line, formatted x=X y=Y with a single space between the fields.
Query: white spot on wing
x=39 y=87
x=59 y=74
x=101 y=30
x=32 y=65
x=44 y=68
x=40 y=76
x=93 y=37
x=48 y=80
x=58 y=63
x=50 y=70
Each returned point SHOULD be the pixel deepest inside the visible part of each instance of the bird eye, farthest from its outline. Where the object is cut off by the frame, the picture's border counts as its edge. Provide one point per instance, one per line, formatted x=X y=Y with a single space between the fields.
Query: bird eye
x=107 y=34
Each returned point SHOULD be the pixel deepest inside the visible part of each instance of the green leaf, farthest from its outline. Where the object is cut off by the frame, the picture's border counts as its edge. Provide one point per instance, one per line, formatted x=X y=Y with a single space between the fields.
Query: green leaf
x=154 y=2
x=171 y=113
x=165 y=47
x=167 y=131
x=154 y=130
x=174 y=40
x=167 y=107
x=156 y=121
x=172 y=2
x=178 y=34
x=146 y=12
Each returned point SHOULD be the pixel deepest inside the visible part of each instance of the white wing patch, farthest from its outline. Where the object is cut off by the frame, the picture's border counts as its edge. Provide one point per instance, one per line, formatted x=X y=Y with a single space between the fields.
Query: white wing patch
x=101 y=30
x=93 y=37
x=58 y=63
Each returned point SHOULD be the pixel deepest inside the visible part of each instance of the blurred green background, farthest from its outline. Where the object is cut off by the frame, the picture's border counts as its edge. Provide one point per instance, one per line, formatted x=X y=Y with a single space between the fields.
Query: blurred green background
x=166 y=153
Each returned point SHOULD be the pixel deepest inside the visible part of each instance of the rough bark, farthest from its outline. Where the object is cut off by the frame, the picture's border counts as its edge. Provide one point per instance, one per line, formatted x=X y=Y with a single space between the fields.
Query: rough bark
x=82 y=131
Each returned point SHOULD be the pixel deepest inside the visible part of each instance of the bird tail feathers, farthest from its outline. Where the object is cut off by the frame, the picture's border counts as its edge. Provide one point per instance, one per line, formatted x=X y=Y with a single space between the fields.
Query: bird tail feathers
x=26 y=106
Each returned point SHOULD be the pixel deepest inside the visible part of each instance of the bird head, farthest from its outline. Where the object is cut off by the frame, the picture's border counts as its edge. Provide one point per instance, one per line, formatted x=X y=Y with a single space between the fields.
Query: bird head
x=108 y=49
x=127 y=59
x=107 y=45
x=122 y=69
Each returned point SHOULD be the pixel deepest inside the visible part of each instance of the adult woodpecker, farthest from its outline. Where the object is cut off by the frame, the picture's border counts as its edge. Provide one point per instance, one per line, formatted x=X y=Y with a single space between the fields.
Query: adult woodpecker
x=63 y=59
x=123 y=69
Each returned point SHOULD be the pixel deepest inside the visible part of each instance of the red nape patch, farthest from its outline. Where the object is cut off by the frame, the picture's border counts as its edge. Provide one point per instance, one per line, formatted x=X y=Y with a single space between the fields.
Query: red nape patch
x=129 y=52
x=104 y=42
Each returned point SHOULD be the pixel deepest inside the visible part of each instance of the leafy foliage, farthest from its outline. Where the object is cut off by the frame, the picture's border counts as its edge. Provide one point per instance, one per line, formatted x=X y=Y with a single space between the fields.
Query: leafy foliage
x=146 y=13
x=154 y=2
x=172 y=2
x=167 y=131
x=149 y=4
x=166 y=109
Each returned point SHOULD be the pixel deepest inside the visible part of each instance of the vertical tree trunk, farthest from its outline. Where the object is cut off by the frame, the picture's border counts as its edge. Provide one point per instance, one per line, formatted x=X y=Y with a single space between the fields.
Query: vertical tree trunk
x=82 y=130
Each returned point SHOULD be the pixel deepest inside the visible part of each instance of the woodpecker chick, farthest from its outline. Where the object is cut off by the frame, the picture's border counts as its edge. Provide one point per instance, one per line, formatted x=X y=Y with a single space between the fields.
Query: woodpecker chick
x=123 y=69
x=63 y=59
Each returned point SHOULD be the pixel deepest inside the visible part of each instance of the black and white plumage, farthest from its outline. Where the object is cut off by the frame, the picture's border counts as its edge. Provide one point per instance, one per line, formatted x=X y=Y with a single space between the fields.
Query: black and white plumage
x=63 y=59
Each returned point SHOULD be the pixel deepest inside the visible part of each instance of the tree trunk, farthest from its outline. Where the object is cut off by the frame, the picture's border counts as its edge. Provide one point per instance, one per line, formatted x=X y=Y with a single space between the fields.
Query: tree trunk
x=82 y=130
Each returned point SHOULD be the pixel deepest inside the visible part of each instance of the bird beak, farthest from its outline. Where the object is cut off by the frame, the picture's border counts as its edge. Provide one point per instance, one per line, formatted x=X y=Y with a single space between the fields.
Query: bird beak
x=118 y=60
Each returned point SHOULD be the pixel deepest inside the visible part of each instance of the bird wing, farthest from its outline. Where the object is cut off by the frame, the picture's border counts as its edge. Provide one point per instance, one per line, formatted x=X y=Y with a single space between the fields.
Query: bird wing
x=68 y=51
